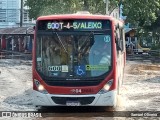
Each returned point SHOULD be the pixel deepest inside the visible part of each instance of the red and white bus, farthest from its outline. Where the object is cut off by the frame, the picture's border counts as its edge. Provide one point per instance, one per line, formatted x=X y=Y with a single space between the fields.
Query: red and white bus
x=78 y=60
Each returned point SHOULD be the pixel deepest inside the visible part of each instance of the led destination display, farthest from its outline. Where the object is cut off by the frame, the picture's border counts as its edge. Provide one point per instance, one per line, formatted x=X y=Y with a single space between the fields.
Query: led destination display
x=74 y=25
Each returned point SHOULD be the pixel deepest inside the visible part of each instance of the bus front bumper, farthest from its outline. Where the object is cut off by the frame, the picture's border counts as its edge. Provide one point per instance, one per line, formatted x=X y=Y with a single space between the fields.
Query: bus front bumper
x=107 y=99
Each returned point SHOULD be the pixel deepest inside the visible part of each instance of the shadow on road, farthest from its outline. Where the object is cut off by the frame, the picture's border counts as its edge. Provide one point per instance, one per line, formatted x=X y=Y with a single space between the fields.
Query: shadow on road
x=82 y=111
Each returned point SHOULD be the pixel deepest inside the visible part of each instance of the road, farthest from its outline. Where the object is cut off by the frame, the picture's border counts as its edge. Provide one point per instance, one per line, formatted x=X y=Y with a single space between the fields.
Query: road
x=140 y=92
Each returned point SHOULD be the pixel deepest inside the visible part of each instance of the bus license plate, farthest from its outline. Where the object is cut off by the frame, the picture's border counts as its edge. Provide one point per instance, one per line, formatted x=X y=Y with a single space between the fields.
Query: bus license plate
x=73 y=103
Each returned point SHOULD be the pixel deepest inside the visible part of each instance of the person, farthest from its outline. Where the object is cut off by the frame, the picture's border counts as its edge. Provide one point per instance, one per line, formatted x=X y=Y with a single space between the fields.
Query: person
x=131 y=47
x=66 y=50
x=55 y=53
x=106 y=57
x=46 y=56
x=100 y=56
x=99 y=53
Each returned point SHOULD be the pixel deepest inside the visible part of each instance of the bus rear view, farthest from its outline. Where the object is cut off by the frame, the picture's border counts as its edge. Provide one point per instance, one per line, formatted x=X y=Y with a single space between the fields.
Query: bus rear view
x=74 y=61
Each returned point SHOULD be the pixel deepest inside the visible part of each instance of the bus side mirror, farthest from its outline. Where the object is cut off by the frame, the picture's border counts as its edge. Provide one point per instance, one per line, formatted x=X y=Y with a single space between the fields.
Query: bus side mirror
x=34 y=27
x=118 y=43
x=118 y=46
x=117 y=26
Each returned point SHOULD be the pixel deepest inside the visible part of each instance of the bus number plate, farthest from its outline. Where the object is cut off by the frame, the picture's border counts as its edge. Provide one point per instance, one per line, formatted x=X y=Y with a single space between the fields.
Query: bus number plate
x=73 y=103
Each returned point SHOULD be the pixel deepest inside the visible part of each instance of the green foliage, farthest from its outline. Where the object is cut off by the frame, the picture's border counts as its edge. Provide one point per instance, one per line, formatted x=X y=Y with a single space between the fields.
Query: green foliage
x=47 y=7
x=155 y=47
x=145 y=15
x=141 y=12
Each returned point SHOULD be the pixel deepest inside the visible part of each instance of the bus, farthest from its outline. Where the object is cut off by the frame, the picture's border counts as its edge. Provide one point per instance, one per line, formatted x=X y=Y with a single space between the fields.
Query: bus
x=78 y=60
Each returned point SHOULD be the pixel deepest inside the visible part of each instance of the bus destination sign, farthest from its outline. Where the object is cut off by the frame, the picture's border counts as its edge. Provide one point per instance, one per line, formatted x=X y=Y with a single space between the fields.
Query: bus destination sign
x=74 y=25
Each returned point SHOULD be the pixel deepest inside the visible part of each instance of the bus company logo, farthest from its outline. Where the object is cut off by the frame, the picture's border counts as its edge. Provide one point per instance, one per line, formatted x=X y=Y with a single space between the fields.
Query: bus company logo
x=75 y=91
x=6 y=114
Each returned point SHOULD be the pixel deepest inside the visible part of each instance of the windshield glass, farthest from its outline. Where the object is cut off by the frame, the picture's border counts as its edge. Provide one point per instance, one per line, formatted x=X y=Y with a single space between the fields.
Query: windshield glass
x=76 y=55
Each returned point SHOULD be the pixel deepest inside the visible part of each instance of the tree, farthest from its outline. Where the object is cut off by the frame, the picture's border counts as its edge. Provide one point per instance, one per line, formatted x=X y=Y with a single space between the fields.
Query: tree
x=145 y=16
x=46 y=7
x=141 y=12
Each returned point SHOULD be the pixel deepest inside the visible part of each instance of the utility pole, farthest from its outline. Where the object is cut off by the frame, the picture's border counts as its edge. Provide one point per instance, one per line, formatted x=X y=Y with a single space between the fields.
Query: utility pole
x=21 y=14
x=120 y=9
x=107 y=12
x=86 y=6
x=107 y=2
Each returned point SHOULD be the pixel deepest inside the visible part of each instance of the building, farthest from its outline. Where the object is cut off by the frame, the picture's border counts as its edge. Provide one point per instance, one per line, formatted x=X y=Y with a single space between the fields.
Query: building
x=10 y=12
x=115 y=13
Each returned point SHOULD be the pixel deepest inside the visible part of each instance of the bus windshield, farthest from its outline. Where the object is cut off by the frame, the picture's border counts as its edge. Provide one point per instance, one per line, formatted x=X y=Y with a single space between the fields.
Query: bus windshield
x=73 y=54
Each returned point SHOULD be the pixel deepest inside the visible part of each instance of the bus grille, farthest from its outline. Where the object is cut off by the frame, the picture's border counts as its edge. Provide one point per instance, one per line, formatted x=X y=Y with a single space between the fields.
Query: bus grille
x=82 y=100
x=71 y=83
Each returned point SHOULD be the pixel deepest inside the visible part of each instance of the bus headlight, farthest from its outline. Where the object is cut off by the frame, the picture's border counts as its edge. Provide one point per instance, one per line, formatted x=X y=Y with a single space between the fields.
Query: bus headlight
x=106 y=87
x=40 y=87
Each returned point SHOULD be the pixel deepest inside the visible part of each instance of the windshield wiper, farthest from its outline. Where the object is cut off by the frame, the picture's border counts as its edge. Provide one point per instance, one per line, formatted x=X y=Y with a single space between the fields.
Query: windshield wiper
x=85 y=44
x=60 y=41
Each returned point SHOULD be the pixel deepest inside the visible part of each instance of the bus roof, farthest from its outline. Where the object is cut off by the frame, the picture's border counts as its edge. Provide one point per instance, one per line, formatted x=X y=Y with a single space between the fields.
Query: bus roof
x=80 y=16
x=74 y=16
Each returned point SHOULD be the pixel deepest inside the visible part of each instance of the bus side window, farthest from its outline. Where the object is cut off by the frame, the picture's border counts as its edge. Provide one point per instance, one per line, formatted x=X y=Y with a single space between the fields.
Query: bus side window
x=118 y=44
x=119 y=40
x=122 y=39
